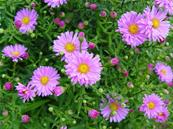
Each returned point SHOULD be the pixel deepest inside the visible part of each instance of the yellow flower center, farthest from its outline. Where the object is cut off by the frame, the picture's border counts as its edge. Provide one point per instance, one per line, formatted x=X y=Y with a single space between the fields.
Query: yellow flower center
x=25 y=20
x=83 y=68
x=163 y=71
x=133 y=28
x=69 y=47
x=151 y=105
x=156 y=23
x=15 y=53
x=44 y=80
x=113 y=106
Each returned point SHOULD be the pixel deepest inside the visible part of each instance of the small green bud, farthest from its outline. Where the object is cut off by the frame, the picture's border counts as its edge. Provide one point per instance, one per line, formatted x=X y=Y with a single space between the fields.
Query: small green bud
x=63 y=119
x=45 y=124
x=17 y=79
x=50 y=109
x=1 y=30
x=85 y=23
x=3 y=75
x=74 y=121
x=70 y=112
x=148 y=77
x=32 y=35
x=46 y=59
x=126 y=57
x=62 y=70
x=100 y=90
x=167 y=44
x=61 y=53
x=41 y=53
x=84 y=101
x=104 y=127
x=132 y=52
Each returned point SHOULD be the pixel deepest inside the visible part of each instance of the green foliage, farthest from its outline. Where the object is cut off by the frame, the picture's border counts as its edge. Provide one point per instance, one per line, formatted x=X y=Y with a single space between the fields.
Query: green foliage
x=72 y=107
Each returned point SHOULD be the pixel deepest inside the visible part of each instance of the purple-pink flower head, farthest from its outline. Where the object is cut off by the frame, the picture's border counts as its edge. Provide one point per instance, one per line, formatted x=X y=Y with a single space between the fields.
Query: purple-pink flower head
x=26 y=93
x=164 y=72
x=58 y=90
x=84 y=68
x=93 y=113
x=25 y=119
x=44 y=80
x=131 y=30
x=166 y=4
x=15 y=52
x=27 y=19
x=152 y=105
x=162 y=116
x=8 y=86
x=69 y=43
x=114 y=111
x=55 y=3
x=154 y=25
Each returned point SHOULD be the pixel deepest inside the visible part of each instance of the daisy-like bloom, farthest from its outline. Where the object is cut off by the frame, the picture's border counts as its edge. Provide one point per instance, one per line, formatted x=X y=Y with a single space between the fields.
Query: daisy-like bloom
x=69 y=43
x=154 y=25
x=162 y=116
x=44 y=80
x=15 y=52
x=166 y=4
x=114 y=110
x=84 y=68
x=26 y=20
x=55 y=3
x=131 y=30
x=164 y=72
x=26 y=93
x=152 y=105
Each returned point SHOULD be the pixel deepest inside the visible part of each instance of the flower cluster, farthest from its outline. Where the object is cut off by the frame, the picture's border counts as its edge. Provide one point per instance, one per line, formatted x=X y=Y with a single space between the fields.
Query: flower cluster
x=15 y=52
x=84 y=68
x=138 y=28
x=164 y=72
x=154 y=108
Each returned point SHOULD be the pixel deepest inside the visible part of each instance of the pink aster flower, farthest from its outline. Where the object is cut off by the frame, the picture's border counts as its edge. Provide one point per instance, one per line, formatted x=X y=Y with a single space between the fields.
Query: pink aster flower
x=93 y=113
x=55 y=3
x=26 y=93
x=91 y=45
x=68 y=43
x=166 y=4
x=44 y=80
x=27 y=19
x=15 y=52
x=8 y=86
x=115 y=61
x=25 y=118
x=152 y=105
x=164 y=72
x=154 y=25
x=84 y=68
x=131 y=30
x=162 y=116
x=114 y=110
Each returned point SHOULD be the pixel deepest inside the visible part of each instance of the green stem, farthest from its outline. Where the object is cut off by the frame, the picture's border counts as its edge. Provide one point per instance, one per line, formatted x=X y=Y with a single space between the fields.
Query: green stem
x=14 y=70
